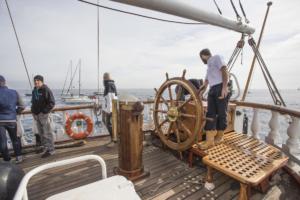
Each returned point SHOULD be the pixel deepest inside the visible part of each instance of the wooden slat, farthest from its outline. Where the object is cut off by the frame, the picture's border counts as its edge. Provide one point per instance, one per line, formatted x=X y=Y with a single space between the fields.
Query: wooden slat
x=168 y=175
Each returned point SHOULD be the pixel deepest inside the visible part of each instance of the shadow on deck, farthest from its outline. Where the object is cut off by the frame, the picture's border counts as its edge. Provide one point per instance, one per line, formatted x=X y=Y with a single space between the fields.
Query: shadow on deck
x=169 y=178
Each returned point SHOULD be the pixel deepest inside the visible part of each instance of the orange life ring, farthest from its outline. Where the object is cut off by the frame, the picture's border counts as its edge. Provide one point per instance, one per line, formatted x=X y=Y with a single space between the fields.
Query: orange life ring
x=83 y=134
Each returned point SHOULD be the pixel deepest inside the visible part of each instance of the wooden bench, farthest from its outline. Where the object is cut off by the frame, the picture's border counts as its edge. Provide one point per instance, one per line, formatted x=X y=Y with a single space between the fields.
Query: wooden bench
x=243 y=158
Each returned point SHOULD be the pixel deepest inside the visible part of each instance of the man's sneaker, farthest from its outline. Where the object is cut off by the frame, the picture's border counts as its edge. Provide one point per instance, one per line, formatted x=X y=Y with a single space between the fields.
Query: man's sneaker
x=47 y=154
x=19 y=159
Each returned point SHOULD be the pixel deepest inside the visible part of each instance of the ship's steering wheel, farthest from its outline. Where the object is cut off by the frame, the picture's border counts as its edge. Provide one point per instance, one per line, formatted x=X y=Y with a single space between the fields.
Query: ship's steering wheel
x=178 y=121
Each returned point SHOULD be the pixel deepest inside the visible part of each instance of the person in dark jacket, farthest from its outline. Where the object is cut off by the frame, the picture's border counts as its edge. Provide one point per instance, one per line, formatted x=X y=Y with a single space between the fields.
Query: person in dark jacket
x=110 y=93
x=42 y=103
x=10 y=104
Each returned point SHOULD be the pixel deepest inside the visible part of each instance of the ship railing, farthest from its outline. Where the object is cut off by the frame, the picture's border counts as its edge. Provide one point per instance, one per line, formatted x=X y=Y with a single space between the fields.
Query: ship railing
x=148 y=124
x=27 y=127
x=275 y=125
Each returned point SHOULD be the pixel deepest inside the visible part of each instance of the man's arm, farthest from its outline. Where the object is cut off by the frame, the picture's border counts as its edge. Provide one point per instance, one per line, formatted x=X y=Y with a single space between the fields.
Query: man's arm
x=203 y=87
x=50 y=101
x=224 y=82
x=20 y=104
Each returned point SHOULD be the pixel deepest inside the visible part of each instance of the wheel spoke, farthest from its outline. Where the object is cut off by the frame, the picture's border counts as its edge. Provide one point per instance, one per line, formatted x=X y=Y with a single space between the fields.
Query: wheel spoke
x=178 y=93
x=188 y=115
x=186 y=129
x=169 y=130
x=170 y=95
x=184 y=103
x=160 y=111
x=177 y=133
x=165 y=101
x=162 y=123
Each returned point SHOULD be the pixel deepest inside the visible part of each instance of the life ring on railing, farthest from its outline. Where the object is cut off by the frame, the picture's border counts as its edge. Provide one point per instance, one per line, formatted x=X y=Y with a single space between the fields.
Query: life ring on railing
x=82 y=134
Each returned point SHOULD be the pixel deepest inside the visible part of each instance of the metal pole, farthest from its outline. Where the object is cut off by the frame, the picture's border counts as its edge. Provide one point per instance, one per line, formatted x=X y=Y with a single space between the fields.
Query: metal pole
x=98 y=51
x=254 y=57
x=71 y=80
x=181 y=9
x=79 y=86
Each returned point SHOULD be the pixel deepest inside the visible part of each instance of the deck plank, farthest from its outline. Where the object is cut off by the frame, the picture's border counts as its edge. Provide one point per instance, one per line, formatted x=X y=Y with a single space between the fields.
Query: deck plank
x=170 y=178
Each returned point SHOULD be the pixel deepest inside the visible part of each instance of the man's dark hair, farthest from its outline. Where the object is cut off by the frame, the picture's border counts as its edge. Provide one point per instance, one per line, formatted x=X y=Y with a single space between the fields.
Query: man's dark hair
x=205 y=52
x=39 y=77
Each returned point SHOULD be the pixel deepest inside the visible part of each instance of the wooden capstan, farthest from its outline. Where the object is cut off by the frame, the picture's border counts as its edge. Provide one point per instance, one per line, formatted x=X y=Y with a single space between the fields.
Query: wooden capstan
x=131 y=138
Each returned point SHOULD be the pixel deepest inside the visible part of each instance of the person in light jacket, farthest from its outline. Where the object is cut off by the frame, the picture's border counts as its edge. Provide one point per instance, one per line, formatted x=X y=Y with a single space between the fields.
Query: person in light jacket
x=110 y=93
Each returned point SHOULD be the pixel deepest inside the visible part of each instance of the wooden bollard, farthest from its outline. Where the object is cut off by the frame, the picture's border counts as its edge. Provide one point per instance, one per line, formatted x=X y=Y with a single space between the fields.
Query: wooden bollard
x=131 y=138
x=115 y=120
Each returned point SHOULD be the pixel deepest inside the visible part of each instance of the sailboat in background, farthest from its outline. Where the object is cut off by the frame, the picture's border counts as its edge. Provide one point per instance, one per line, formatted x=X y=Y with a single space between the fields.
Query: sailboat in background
x=69 y=97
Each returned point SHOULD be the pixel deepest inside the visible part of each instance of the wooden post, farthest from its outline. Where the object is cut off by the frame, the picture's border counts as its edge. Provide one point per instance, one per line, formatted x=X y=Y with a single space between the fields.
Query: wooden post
x=244 y=192
x=131 y=139
x=209 y=185
x=114 y=120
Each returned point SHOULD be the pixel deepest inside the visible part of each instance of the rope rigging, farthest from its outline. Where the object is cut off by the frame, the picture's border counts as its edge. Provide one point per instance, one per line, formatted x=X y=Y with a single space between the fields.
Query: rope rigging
x=19 y=45
x=244 y=13
x=237 y=51
x=219 y=10
x=277 y=98
x=274 y=92
x=235 y=10
x=140 y=15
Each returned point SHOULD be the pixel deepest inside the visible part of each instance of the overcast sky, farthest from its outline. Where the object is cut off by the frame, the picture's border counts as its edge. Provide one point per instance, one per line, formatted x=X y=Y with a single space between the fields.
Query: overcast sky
x=136 y=51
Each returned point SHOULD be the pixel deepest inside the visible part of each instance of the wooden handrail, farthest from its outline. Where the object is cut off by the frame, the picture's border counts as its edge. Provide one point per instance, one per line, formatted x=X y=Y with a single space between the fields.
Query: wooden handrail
x=281 y=110
x=65 y=108
x=149 y=102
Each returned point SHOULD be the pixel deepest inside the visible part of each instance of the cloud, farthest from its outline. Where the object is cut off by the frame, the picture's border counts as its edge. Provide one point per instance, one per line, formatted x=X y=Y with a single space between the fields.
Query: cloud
x=138 y=51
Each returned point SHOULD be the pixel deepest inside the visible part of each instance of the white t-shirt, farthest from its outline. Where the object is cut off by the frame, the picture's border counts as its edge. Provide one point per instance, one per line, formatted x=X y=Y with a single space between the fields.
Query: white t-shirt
x=213 y=73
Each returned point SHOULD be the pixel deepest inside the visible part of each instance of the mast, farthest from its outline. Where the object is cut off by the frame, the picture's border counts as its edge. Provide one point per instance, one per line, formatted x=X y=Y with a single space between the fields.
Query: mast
x=71 y=80
x=79 y=86
x=62 y=92
x=180 y=9
x=98 y=51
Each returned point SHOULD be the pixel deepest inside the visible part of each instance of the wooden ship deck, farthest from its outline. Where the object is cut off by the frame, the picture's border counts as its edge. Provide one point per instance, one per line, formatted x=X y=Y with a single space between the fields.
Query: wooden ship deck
x=170 y=177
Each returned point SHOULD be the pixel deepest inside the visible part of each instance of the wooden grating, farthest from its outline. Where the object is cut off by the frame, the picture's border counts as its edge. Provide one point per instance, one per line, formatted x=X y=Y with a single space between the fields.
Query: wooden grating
x=169 y=177
x=244 y=158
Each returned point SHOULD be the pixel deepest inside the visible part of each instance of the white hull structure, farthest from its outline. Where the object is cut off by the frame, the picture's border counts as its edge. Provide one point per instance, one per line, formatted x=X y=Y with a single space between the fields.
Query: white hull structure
x=78 y=100
x=180 y=9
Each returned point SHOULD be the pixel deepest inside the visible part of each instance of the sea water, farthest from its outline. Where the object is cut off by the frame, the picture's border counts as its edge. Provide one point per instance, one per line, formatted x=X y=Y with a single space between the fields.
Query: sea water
x=291 y=98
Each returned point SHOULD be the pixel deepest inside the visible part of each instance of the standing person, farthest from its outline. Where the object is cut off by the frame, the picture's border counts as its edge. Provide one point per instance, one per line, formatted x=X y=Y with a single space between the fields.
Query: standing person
x=10 y=104
x=42 y=103
x=110 y=93
x=217 y=100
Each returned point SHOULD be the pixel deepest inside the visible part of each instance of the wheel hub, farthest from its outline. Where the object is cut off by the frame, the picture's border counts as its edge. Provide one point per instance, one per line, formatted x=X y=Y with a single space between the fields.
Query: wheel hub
x=173 y=114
